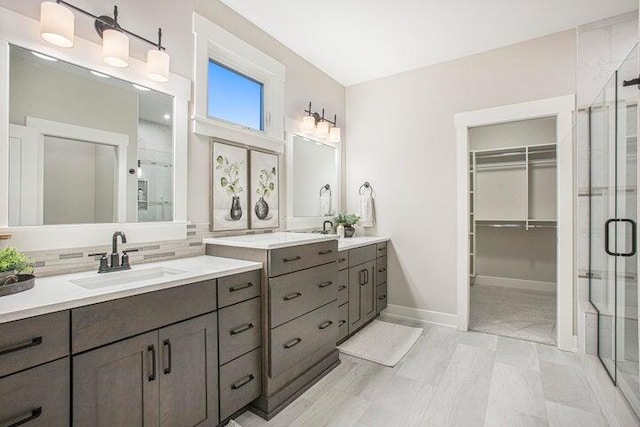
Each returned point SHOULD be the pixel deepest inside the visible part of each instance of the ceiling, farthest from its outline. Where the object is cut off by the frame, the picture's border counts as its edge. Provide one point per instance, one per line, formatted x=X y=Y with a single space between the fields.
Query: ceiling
x=358 y=40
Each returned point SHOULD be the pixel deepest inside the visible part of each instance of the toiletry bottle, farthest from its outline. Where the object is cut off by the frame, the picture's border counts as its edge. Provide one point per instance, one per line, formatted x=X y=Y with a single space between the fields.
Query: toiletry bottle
x=340 y=231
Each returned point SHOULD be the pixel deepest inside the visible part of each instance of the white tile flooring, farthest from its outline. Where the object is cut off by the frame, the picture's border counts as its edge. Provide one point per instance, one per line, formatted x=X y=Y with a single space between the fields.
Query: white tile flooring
x=450 y=378
x=515 y=313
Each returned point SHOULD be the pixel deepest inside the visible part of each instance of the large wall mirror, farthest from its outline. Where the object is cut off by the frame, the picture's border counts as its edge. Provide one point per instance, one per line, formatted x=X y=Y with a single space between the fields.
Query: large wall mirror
x=84 y=147
x=313 y=179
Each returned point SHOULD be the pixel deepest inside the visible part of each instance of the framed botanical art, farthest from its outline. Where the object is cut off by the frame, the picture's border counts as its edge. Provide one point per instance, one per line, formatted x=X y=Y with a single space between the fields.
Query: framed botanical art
x=229 y=210
x=264 y=181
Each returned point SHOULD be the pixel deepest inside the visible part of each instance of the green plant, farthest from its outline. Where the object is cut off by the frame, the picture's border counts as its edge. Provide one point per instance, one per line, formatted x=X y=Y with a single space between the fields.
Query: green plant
x=230 y=179
x=14 y=261
x=348 y=220
x=267 y=182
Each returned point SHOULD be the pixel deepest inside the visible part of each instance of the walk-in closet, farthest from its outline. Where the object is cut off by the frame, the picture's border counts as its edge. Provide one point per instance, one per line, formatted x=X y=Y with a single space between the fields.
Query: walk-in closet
x=512 y=232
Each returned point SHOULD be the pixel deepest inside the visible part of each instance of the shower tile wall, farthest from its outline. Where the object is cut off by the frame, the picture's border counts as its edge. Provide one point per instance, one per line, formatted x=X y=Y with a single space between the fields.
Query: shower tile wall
x=601 y=48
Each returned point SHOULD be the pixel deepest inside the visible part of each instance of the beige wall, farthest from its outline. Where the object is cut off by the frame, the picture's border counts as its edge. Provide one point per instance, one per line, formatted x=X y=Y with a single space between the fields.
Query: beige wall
x=304 y=82
x=402 y=139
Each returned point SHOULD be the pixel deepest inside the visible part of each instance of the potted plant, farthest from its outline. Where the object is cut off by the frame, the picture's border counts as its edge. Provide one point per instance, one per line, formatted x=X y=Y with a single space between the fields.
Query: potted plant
x=16 y=272
x=230 y=181
x=267 y=185
x=347 y=221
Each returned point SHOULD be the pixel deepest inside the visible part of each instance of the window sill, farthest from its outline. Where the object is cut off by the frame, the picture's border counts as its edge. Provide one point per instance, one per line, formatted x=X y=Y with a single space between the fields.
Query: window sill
x=214 y=129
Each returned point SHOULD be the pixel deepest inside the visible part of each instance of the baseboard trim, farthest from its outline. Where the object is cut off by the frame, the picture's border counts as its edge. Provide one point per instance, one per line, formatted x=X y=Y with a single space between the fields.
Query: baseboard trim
x=422 y=316
x=505 y=282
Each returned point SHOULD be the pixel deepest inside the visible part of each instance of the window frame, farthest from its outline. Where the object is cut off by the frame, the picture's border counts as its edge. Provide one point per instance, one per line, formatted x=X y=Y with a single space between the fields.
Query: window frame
x=212 y=42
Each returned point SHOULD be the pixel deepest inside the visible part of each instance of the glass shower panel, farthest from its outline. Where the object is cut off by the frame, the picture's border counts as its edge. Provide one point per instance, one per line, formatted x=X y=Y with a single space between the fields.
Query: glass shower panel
x=602 y=283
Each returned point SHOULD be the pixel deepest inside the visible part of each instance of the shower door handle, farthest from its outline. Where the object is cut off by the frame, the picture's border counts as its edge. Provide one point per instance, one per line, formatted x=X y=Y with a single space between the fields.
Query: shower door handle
x=634 y=237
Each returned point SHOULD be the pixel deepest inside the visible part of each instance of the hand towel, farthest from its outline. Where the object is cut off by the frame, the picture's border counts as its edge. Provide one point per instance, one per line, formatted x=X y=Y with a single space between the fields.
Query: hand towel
x=367 y=215
x=325 y=204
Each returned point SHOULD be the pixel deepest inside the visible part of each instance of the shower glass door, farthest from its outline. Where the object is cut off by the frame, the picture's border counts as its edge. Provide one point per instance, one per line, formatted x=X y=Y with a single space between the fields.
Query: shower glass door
x=614 y=207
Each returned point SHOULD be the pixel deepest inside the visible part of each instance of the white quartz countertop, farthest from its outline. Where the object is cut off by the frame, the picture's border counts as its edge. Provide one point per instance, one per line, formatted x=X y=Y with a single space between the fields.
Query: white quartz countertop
x=57 y=293
x=359 y=241
x=270 y=240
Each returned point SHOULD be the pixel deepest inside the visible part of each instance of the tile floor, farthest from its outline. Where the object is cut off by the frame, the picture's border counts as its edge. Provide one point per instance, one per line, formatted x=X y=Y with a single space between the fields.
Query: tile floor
x=516 y=313
x=450 y=378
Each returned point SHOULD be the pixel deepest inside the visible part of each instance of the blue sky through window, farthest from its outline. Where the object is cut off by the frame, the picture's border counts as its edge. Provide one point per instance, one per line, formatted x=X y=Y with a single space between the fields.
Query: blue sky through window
x=234 y=97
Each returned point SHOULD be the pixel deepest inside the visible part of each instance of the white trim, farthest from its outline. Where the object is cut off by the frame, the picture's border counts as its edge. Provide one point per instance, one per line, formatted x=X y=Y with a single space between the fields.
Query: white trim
x=81 y=133
x=213 y=42
x=507 y=282
x=292 y=127
x=23 y=31
x=562 y=108
x=422 y=316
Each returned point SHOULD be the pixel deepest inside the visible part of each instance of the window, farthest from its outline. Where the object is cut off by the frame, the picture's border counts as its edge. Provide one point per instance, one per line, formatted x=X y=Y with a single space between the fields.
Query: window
x=234 y=97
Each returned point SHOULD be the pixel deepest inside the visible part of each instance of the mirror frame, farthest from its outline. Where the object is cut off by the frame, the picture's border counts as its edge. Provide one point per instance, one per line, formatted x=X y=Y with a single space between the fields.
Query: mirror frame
x=292 y=128
x=20 y=30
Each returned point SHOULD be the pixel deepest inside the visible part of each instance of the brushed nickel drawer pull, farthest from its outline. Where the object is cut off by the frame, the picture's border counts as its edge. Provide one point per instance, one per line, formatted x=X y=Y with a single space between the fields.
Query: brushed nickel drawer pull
x=325 y=252
x=34 y=414
x=382 y=297
x=241 y=329
x=246 y=380
x=381 y=249
x=341 y=288
x=295 y=258
x=325 y=284
x=34 y=342
x=294 y=342
x=239 y=288
x=382 y=270
x=342 y=322
x=342 y=260
x=292 y=296
x=325 y=324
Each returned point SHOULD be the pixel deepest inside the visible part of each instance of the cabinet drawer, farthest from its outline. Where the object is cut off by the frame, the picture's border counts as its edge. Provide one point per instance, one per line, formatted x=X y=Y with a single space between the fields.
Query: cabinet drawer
x=39 y=396
x=239 y=329
x=240 y=383
x=381 y=249
x=343 y=260
x=30 y=342
x=294 y=258
x=343 y=286
x=239 y=287
x=296 y=340
x=381 y=297
x=295 y=294
x=98 y=324
x=361 y=255
x=343 y=321
x=381 y=270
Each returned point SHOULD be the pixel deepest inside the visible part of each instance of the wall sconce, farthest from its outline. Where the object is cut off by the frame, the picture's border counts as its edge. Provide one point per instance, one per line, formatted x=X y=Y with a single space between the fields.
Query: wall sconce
x=317 y=125
x=57 y=26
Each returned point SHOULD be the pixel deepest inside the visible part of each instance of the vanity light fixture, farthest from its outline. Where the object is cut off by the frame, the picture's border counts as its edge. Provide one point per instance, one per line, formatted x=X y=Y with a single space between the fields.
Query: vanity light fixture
x=316 y=124
x=57 y=26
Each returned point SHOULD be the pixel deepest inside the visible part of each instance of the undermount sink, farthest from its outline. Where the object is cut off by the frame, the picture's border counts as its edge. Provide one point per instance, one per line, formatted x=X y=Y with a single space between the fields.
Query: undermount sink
x=125 y=277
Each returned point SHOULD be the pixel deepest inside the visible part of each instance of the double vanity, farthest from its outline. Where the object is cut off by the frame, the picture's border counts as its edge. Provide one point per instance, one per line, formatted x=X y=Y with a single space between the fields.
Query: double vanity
x=190 y=341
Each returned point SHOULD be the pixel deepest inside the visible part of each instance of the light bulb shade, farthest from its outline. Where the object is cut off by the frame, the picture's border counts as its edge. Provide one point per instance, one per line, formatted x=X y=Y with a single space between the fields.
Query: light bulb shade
x=158 y=65
x=334 y=134
x=308 y=125
x=322 y=130
x=57 y=24
x=115 y=48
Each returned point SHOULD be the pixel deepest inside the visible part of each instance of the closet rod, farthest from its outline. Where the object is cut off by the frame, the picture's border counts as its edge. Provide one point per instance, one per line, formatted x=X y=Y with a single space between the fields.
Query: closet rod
x=507 y=166
x=509 y=154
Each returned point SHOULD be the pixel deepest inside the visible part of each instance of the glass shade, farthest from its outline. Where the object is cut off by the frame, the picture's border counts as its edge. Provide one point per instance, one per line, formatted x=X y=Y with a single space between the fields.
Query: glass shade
x=158 y=65
x=115 y=48
x=334 y=134
x=308 y=125
x=57 y=24
x=322 y=130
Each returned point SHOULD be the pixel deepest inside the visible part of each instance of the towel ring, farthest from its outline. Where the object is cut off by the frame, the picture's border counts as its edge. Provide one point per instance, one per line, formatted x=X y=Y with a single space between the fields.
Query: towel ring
x=326 y=187
x=366 y=186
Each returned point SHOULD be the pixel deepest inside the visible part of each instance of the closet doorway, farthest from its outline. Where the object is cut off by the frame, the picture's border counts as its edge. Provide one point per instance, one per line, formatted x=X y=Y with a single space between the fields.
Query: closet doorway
x=515 y=221
x=512 y=233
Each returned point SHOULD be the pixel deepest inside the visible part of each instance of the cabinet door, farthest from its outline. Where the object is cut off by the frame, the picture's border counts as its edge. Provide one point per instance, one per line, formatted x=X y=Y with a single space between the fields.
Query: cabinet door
x=368 y=294
x=189 y=373
x=356 y=279
x=117 y=385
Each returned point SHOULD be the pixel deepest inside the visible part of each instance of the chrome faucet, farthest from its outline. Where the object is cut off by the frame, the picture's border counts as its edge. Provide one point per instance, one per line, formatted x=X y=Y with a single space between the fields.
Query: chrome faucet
x=116 y=264
x=324 y=227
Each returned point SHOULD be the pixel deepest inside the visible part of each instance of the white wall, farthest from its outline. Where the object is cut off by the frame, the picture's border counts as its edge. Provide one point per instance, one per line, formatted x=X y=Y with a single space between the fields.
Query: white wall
x=304 y=82
x=402 y=140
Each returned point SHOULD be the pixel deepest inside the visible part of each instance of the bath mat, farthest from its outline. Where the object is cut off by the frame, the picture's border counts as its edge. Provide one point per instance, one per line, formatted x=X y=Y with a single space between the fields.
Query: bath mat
x=381 y=342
